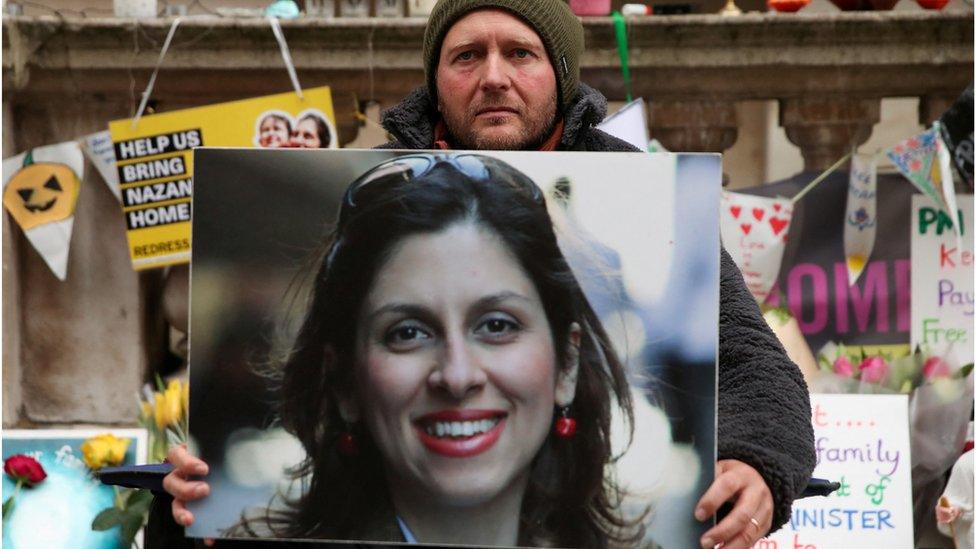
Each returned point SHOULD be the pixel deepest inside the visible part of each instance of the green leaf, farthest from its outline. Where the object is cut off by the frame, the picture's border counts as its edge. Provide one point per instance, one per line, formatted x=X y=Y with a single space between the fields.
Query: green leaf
x=964 y=371
x=139 y=502
x=130 y=527
x=106 y=520
x=8 y=506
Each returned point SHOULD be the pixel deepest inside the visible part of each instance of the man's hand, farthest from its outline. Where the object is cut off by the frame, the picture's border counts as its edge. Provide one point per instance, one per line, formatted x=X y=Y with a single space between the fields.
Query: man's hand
x=183 y=490
x=752 y=513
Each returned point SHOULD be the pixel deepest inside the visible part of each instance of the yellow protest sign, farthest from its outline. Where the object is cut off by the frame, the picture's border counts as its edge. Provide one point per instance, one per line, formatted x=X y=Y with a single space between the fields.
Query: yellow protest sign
x=154 y=160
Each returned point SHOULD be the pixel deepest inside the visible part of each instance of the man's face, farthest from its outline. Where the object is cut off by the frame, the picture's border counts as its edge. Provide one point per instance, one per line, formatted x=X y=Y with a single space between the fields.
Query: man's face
x=496 y=87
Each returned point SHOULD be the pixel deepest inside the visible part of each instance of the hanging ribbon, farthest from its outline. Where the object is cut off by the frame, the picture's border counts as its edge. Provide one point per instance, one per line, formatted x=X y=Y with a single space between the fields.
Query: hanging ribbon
x=286 y=55
x=152 y=79
x=620 y=29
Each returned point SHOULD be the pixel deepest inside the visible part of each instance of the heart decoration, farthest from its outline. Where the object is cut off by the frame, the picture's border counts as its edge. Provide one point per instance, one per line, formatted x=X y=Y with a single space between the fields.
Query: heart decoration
x=758 y=213
x=746 y=227
x=778 y=224
x=736 y=210
x=777 y=207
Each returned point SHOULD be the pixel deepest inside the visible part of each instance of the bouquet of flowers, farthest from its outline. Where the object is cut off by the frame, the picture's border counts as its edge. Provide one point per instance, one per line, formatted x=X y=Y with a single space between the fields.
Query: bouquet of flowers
x=164 y=414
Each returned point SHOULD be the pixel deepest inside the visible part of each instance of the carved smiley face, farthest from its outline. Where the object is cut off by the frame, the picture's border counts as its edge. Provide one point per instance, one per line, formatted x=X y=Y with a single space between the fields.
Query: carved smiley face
x=41 y=193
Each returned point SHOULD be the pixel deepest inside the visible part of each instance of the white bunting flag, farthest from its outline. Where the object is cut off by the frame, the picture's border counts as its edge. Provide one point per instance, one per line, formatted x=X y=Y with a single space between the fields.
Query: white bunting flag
x=754 y=230
x=40 y=191
x=861 y=218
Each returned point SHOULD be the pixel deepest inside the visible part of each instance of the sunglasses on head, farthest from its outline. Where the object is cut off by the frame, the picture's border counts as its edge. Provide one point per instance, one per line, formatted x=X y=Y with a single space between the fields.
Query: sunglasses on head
x=406 y=168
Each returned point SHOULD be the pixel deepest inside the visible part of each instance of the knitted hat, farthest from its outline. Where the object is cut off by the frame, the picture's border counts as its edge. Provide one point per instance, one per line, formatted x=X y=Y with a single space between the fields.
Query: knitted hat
x=560 y=30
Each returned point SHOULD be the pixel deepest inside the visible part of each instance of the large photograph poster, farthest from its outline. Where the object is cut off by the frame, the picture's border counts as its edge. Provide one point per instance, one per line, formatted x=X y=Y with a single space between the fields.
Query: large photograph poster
x=942 y=279
x=154 y=160
x=433 y=364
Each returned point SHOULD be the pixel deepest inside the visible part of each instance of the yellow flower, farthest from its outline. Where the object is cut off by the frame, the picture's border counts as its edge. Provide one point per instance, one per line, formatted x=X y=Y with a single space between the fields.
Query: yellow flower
x=169 y=405
x=103 y=450
x=186 y=400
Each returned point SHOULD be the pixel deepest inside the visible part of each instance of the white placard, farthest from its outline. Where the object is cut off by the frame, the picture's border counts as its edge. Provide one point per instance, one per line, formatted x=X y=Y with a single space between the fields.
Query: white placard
x=629 y=124
x=942 y=280
x=862 y=442
x=754 y=231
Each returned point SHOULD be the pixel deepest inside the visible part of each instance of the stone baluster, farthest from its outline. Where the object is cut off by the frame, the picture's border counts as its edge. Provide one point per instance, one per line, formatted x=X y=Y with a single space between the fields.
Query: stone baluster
x=825 y=129
x=693 y=126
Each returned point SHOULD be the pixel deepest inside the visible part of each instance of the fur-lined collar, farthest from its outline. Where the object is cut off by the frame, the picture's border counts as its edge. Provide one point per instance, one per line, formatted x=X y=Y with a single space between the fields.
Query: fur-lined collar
x=412 y=121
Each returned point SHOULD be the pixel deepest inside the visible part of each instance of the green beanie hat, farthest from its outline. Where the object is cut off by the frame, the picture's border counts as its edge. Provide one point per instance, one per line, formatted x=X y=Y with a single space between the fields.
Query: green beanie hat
x=559 y=28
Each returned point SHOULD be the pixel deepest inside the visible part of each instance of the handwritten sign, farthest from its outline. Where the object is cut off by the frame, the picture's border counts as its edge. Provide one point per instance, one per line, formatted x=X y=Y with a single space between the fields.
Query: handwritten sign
x=942 y=279
x=861 y=219
x=754 y=230
x=862 y=442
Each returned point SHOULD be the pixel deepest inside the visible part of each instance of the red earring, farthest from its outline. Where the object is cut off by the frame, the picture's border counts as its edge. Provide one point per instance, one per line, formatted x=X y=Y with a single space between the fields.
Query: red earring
x=565 y=425
x=348 y=444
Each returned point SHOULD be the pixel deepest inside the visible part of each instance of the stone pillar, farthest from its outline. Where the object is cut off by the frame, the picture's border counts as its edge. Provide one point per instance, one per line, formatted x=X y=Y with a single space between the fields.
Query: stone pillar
x=825 y=129
x=693 y=126
x=84 y=342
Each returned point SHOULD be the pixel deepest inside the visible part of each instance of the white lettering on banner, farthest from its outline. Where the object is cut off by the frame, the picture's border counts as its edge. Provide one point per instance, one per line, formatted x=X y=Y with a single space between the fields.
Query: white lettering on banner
x=150 y=217
x=158 y=192
x=159 y=144
x=153 y=169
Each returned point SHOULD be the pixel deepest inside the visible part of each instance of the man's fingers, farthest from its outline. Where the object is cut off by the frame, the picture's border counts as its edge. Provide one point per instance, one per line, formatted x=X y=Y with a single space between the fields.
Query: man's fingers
x=736 y=522
x=184 y=463
x=725 y=486
x=186 y=490
x=180 y=514
x=753 y=531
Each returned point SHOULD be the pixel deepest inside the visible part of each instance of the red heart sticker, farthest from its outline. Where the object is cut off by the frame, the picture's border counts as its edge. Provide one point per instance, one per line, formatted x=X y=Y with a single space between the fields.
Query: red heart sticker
x=778 y=224
x=776 y=207
x=758 y=213
x=746 y=227
x=736 y=210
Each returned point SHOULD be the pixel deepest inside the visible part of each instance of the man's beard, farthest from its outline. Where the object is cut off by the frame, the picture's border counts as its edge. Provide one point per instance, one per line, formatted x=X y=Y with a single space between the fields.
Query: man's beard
x=535 y=130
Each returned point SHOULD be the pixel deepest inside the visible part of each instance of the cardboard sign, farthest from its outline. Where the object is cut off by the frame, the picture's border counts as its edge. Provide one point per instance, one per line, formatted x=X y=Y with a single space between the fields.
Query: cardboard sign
x=862 y=442
x=154 y=160
x=58 y=511
x=942 y=279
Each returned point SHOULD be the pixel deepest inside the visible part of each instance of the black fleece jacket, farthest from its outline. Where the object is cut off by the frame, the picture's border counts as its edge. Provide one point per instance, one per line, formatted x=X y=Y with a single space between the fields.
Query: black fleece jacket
x=763 y=403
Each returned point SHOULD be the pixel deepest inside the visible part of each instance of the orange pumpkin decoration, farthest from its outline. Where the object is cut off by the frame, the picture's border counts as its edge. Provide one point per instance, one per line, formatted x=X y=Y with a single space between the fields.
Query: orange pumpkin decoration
x=40 y=193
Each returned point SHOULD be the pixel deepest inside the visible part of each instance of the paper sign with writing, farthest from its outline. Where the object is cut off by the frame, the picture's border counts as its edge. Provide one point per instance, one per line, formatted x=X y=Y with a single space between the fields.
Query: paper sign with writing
x=754 y=230
x=861 y=220
x=942 y=279
x=861 y=442
x=154 y=160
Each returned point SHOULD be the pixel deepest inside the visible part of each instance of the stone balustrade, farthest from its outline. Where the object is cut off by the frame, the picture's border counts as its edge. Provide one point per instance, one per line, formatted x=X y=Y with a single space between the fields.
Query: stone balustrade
x=76 y=351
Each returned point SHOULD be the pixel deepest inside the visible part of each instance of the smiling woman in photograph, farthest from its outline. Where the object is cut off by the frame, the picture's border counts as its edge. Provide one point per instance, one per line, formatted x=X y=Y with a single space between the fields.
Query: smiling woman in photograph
x=450 y=382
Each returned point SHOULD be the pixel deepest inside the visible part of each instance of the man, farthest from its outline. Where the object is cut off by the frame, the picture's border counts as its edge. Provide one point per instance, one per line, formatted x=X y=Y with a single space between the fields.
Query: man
x=504 y=74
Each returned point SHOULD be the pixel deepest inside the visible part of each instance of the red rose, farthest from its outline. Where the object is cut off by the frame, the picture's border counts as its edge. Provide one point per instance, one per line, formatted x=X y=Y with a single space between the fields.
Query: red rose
x=24 y=468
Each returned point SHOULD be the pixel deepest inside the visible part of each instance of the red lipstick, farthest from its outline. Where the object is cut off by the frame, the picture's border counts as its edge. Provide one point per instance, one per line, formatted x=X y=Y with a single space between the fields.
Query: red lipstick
x=459 y=445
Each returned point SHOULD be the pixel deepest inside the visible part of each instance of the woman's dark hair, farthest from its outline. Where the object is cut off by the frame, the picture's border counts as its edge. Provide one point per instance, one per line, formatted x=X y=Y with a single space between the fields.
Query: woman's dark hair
x=321 y=129
x=568 y=501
